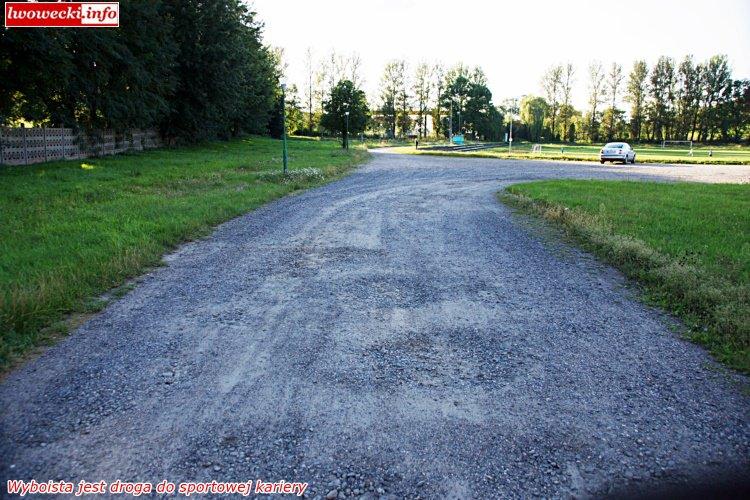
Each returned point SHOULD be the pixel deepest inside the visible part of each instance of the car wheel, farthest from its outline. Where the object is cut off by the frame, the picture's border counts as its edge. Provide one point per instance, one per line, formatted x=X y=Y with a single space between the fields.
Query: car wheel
x=633 y=161
x=601 y=161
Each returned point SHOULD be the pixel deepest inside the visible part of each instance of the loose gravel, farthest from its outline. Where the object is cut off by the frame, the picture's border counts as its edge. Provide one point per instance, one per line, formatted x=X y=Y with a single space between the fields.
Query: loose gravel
x=397 y=333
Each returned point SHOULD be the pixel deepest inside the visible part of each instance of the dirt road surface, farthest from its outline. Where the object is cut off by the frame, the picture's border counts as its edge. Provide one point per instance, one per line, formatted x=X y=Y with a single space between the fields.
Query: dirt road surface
x=397 y=333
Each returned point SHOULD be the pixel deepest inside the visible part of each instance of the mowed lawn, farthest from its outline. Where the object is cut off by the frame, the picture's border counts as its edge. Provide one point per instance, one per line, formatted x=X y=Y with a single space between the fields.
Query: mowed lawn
x=71 y=230
x=689 y=244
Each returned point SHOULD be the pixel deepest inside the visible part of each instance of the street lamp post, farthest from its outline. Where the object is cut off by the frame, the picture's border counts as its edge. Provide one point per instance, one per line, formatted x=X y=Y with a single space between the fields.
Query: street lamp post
x=346 y=131
x=510 y=136
x=283 y=122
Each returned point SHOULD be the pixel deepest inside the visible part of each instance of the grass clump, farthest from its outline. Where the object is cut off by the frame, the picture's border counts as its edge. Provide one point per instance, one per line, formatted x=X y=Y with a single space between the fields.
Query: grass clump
x=688 y=244
x=306 y=174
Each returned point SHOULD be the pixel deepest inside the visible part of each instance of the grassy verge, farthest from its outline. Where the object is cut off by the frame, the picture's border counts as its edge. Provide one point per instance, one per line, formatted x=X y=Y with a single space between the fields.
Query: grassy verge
x=72 y=230
x=647 y=154
x=688 y=244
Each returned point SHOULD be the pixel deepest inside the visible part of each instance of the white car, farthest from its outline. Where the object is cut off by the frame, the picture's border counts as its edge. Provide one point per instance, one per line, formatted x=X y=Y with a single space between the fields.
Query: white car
x=617 y=151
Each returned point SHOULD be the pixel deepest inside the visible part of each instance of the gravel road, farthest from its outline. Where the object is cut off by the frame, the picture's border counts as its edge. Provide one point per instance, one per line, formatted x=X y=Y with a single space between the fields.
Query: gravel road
x=397 y=333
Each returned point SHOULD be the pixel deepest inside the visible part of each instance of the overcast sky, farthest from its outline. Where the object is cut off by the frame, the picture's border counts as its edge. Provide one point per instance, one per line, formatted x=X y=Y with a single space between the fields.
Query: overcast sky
x=514 y=42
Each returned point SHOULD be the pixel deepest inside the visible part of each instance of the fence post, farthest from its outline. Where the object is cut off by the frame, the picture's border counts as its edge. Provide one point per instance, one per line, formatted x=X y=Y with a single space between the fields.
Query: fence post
x=25 y=148
x=44 y=134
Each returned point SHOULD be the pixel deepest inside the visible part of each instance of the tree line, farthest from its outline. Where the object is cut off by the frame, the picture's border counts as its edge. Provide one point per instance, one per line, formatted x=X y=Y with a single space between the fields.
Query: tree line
x=455 y=101
x=420 y=101
x=689 y=100
x=194 y=69
x=199 y=69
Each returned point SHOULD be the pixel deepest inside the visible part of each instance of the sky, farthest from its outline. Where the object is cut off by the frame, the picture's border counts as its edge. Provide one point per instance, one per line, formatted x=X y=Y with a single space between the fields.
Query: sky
x=514 y=42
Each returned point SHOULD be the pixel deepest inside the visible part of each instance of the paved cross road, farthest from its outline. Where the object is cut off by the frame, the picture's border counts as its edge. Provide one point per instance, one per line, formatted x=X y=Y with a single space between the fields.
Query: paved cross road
x=398 y=332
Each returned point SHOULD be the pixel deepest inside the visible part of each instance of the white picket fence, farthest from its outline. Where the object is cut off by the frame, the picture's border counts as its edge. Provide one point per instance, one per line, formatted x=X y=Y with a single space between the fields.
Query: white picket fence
x=25 y=146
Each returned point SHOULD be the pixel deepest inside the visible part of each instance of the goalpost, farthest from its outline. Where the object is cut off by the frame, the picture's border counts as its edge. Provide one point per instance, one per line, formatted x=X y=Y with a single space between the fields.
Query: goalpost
x=536 y=148
x=689 y=143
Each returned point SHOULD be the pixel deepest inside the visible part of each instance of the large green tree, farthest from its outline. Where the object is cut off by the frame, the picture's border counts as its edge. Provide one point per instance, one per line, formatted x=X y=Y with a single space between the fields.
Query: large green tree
x=345 y=98
x=533 y=111
x=455 y=94
x=197 y=69
x=392 y=89
x=687 y=98
x=481 y=118
x=735 y=112
x=219 y=47
x=661 y=104
x=635 y=94
x=91 y=78
x=295 y=116
x=567 y=111
x=552 y=83
x=422 y=93
x=438 y=74
x=596 y=97
x=717 y=89
x=612 y=115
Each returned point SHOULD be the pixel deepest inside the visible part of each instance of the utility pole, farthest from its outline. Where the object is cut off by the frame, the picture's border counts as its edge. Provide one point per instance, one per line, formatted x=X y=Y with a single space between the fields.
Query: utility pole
x=283 y=122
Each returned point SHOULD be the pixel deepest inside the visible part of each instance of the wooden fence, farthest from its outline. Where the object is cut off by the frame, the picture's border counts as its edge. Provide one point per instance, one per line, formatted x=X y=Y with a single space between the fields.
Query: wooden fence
x=24 y=146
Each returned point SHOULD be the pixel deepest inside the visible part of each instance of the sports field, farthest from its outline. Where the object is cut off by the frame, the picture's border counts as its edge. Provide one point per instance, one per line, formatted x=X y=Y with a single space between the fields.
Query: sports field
x=645 y=153
x=718 y=155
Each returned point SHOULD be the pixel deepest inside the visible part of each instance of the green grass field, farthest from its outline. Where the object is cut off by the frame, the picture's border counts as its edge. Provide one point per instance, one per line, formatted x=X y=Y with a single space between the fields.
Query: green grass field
x=689 y=244
x=732 y=155
x=72 y=230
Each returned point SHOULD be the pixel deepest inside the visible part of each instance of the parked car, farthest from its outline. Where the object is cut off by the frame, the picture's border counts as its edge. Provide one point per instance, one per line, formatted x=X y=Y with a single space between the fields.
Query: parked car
x=617 y=151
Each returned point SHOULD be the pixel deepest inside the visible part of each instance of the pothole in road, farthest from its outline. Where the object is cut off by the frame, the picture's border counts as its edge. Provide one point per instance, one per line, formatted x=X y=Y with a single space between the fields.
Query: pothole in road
x=440 y=358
